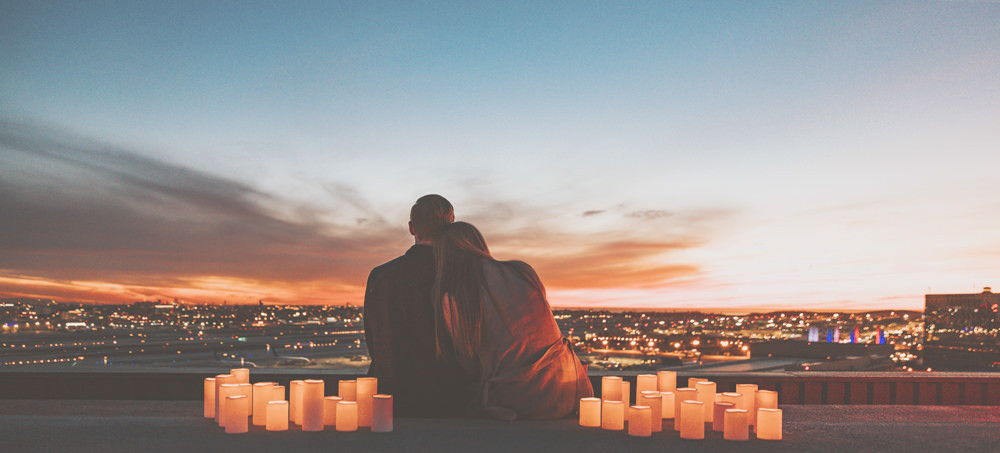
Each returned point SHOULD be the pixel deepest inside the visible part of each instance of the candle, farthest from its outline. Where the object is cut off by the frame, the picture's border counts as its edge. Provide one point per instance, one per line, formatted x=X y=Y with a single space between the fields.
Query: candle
x=312 y=405
x=718 y=421
x=294 y=400
x=692 y=420
x=748 y=392
x=210 y=397
x=366 y=387
x=330 y=410
x=237 y=409
x=381 y=413
x=590 y=412
x=668 y=405
x=611 y=388
x=666 y=381
x=731 y=397
x=767 y=399
x=348 y=390
x=278 y=393
x=277 y=415
x=347 y=416
x=681 y=395
x=640 y=421
x=219 y=380
x=645 y=383
x=695 y=380
x=247 y=391
x=262 y=393
x=626 y=393
x=769 y=423
x=737 y=425
x=655 y=403
x=613 y=415
x=225 y=391
x=242 y=375
x=706 y=394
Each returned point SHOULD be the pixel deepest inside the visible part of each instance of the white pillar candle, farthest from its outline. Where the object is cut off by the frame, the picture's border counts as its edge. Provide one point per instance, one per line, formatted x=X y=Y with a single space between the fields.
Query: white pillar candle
x=294 y=400
x=767 y=399
x=732 y=397
x=640 y=421
x=611 y=388
x=262 y=393
x=706 y=394
x=242 y=375
x=210 y=397
x=348 y=390
x=668 y=405
x=768 y=423
x=626 y=393
x=330 y=410
x=381 y=413
x=278 y=393
x=312 y=405
x=225 y=391
x=749 y=396
x=695 y=380
x=236 y=414
x=347 y=416
x=718 y=422
x=590 y=412
x=655 y=403
x=219 y=381
x=737 y=425
x=277 y=415
x=692 y=420
x=366 y=388
x=613 y=415
x=247 y=391
x=666 y=381
x=681 y=395
x=645 y=383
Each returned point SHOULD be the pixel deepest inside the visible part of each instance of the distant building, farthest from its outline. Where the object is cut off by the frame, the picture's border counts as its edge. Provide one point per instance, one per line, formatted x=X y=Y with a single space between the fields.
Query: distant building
x=962 y=331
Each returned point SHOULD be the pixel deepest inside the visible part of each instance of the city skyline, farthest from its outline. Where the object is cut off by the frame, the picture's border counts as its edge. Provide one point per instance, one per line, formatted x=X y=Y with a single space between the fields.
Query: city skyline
x=662 y=156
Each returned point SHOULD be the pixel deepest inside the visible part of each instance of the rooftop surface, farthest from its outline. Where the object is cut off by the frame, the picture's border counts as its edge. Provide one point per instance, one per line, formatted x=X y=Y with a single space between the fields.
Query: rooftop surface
x=111 y=426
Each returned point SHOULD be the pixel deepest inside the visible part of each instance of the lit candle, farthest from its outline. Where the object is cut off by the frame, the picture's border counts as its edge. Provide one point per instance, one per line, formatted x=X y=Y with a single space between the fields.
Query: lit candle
x=655 y=403
x=236 y=414
x=748 y=392
x=242 y=375
x=347 y=416
x=692 y=420
x=210 y=397
x=225 y=391
x=706 y=394
x=312 y=405
x=666 y=381
x=219 y=380
x=718 y=422
x=294 y=400
x=626 y=393
x=330 y=410
x=613 y=415
x=737 y=425
x=262 y=393
x=247 y=391
x=348 y=390
x=731 y=397
x=278 y=393
x=611 y=388
x=681 y=395
x=277 y=415
x=695 y=380
x=366 y=388
x=381 y=413
x=668 y=404
x=640 y=421
x=645 y=383
x=590 y=412
x=768 y=423
x=767 y=399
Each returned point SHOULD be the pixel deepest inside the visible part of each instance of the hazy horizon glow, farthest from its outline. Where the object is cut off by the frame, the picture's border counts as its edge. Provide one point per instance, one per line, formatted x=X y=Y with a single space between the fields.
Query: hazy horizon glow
x=664 y=155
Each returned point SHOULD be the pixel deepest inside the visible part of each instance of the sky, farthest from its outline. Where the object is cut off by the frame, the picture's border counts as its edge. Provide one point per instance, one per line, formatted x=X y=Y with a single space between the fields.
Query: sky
x=671 y=155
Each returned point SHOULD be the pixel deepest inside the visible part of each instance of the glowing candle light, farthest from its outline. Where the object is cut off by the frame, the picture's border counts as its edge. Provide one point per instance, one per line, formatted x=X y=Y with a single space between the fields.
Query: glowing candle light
x=294 y=400
x=706 y=394
x=330 y=410
x=277 y=415
x=749 y=396
x=666 y=381
x=655 y=403
x=626 y=393
x=262 y=393
x=347 y=416
x=210 y=397
x=768 y=423
x=767 y=399
x=645 y=383
x=681 y=395
x=348 y=390
x=613 y=415
x=312 y=405
x=247 y=391
x=224 y=392
x=695 y=380
x=737 y=425
x=237 y=409
x=692 y=420
x=668 y=405
x=732 y=397
x=611 y=388
x=381 y=413
x=640 y=421
x=590 y=412
x=718 y=422
x=242 y=375
x=278 y=393
x=366 y=387
x=219 y=381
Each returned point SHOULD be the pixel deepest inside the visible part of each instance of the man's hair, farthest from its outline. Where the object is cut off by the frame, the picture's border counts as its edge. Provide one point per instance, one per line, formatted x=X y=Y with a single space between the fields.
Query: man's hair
x=429 y=214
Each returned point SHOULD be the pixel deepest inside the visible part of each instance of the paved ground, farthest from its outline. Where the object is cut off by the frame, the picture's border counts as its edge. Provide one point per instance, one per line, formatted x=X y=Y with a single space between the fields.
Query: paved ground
x=130 y=426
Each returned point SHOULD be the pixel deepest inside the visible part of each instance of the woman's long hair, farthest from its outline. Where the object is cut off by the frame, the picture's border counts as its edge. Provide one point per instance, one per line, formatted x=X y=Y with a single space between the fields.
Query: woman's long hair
x=459 y=252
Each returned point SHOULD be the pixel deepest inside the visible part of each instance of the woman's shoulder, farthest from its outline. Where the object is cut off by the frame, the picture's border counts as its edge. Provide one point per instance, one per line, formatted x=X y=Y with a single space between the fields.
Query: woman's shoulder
x=519 y=269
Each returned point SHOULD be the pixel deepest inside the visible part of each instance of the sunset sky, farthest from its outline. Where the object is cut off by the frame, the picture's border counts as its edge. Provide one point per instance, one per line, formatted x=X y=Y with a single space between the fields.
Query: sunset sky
x=738 y=155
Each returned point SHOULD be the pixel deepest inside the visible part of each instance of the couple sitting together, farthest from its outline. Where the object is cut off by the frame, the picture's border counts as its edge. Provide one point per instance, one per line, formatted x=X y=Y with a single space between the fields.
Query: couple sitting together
x=453 y=332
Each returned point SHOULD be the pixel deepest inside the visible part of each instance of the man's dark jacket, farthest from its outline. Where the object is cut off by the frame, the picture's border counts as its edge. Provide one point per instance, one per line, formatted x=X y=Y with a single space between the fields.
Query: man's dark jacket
x=399 y=330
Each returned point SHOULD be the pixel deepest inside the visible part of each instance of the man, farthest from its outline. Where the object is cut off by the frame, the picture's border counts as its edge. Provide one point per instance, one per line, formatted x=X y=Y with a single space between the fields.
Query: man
x=399 y=324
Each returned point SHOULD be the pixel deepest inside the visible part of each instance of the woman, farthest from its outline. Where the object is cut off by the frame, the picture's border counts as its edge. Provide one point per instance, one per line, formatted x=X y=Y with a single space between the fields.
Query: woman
x=494 y=320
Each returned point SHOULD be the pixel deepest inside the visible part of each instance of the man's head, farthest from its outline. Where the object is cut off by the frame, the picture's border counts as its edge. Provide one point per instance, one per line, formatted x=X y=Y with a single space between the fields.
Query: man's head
x=428 y=215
